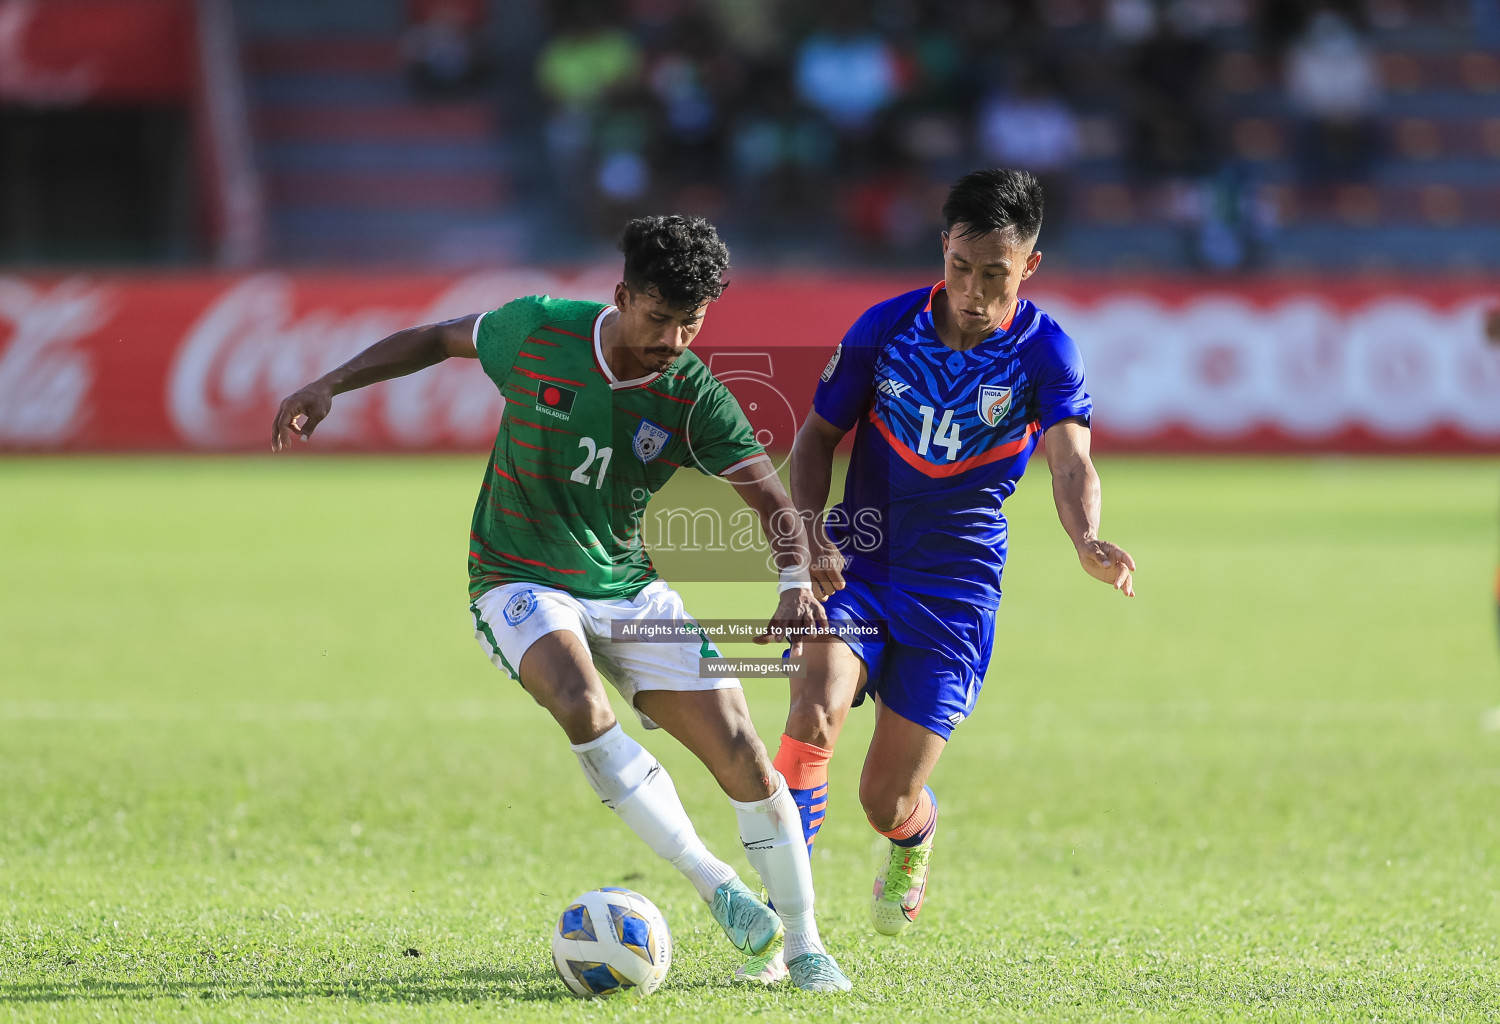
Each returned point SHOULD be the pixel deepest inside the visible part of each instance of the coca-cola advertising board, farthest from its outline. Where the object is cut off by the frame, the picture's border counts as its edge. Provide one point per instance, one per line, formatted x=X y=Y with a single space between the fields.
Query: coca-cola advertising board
x=59 y=53
x=199 y=362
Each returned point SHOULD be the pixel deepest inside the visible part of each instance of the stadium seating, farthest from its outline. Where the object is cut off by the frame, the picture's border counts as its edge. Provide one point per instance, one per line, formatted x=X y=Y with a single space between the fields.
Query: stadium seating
x=1431 y=195
x=358 y=167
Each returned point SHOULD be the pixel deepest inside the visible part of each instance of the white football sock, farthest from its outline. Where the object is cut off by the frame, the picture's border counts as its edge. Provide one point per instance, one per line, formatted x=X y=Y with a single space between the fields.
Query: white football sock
x=636 y=787
x=771 y=830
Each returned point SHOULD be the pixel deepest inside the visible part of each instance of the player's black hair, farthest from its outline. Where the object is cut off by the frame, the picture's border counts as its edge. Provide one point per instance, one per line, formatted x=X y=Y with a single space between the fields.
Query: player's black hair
x=680 y=257
x=995 y=199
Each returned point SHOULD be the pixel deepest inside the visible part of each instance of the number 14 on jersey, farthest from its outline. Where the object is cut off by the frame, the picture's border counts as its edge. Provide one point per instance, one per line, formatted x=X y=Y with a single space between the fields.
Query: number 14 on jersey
x=947 y=432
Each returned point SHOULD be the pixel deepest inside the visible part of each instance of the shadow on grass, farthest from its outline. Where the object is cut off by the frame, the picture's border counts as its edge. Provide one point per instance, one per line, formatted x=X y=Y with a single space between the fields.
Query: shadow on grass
x=459 y=987
x=473 y=986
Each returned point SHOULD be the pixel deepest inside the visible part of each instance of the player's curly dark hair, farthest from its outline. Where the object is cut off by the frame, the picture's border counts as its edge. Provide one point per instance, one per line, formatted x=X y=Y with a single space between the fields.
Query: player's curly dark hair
x=680 y=257
x=994 y=200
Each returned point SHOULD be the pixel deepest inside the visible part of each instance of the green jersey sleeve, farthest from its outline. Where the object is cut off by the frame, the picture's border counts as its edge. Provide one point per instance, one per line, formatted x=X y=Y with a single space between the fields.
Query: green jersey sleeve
x=719 y=435
x=500 y=333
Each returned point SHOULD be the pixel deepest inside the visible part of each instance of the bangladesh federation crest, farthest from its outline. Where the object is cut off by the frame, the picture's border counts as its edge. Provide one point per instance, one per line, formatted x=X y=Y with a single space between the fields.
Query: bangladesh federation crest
x=649 y=440
x=994 y=403
x=519 y=608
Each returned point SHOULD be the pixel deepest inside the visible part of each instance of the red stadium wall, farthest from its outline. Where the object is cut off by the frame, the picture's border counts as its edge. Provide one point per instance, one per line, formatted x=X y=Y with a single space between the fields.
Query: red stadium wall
x=199 y=362
x=76 y=52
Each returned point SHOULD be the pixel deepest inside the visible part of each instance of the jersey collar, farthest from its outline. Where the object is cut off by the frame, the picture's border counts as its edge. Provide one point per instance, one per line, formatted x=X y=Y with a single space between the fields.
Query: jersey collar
x=615 y=383
x=1010 y=317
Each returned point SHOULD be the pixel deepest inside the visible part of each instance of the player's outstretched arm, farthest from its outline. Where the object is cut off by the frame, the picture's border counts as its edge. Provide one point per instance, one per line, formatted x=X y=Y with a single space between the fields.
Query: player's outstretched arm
x=797 y=610
x=812 y=475
x=1075 y=490
x=402 y=353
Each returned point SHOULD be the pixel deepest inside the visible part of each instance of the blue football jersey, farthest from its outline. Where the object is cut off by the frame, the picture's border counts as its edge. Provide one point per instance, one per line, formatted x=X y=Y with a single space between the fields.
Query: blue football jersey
x=941 y=439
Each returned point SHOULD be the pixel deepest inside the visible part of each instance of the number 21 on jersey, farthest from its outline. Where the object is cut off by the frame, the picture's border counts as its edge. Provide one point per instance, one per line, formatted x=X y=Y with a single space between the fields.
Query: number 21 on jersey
x=593 y=454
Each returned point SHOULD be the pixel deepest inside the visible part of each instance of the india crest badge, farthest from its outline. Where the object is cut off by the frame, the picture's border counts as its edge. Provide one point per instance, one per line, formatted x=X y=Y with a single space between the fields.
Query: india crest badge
x=994 y=403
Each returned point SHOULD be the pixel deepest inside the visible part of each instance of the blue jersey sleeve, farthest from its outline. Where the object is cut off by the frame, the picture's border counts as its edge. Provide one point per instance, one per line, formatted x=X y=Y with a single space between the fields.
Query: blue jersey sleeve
x=848 y=381
x=1060 y=392
x=847 y=384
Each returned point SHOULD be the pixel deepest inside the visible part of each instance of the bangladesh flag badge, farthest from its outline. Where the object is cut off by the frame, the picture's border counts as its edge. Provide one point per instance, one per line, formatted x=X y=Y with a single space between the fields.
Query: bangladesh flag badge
x=555 y=400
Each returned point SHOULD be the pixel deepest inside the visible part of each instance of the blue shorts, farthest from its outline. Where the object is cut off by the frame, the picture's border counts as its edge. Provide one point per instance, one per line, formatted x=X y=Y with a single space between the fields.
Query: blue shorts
x=928 y=666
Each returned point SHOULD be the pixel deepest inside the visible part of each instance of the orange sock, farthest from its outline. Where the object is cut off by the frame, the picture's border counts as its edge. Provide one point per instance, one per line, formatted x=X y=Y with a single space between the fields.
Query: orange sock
x=805 y=768
x=918 y=825
x=803 y=765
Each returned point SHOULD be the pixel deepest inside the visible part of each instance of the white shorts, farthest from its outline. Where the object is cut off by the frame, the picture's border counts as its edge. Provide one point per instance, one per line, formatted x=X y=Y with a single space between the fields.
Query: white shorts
x=510 y=618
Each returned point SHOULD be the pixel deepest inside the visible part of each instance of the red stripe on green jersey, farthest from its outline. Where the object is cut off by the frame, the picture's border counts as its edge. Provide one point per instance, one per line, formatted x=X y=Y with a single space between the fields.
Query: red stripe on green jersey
x=538 y=426
x=567 y=486
x=517 y=558
x=543 y=376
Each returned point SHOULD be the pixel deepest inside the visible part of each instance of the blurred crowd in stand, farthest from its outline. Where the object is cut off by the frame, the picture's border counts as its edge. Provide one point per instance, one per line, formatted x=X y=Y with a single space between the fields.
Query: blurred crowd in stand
x=849 y=118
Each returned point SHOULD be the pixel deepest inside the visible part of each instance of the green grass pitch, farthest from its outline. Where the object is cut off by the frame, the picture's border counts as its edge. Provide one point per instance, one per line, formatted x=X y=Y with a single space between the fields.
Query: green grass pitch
x=250 y=755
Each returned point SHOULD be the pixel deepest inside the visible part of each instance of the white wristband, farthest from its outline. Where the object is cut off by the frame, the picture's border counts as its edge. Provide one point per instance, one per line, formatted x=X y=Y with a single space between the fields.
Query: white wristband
x=795 y=578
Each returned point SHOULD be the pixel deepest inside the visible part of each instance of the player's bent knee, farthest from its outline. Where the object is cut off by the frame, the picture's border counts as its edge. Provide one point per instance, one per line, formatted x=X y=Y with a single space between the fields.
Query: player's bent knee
x=883 y=821
x=885 y=809
x=582 y=713
x=746 y=752
x=814 y=722
x=754 y=773
x=745 y=773
x=558 y=674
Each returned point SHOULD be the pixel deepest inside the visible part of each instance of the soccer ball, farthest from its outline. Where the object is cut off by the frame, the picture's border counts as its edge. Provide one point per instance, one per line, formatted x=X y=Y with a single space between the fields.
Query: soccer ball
x=610 y=940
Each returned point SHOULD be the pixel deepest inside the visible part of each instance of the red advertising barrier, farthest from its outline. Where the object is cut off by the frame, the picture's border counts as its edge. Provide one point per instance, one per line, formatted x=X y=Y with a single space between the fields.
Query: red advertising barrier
x=69 y=52
x=199 y=362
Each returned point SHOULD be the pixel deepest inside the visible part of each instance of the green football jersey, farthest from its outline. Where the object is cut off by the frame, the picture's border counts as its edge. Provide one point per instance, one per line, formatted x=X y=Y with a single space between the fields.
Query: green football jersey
x=579 y=453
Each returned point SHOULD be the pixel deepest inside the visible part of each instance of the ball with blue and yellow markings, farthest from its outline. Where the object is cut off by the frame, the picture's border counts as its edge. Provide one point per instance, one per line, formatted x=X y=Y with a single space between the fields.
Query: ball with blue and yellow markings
x=611 y=940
